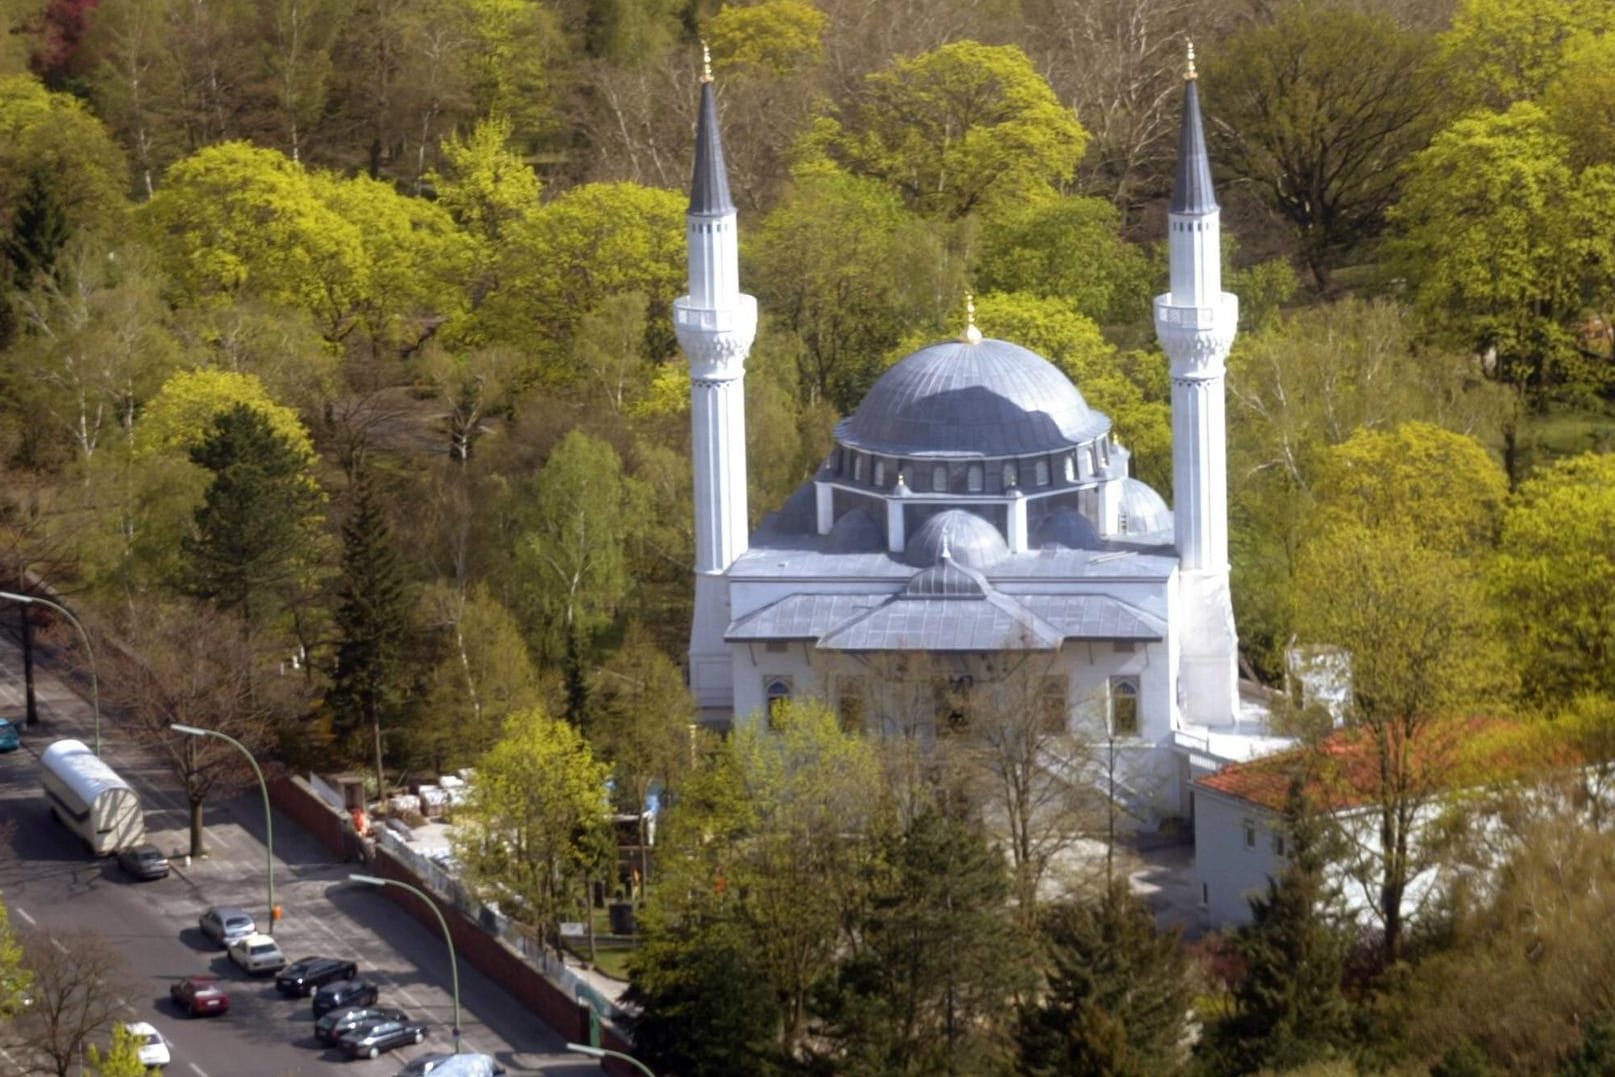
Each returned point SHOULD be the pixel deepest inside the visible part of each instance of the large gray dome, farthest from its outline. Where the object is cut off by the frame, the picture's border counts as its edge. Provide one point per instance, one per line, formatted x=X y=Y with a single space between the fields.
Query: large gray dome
x=961 y=399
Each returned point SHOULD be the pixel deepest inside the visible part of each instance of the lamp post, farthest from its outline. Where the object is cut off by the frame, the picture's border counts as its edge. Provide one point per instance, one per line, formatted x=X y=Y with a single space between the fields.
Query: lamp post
x=95 y=682
x=454 y=965
x=601 y=1052
x=269 y=821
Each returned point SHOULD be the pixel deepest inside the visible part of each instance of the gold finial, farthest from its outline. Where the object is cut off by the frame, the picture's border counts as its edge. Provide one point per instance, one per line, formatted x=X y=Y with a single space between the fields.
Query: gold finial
x=706 y=63
x=971 y=335
x=1189 y=74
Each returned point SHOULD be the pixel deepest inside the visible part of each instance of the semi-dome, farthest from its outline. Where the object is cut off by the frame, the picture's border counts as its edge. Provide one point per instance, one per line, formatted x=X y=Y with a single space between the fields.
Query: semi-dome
x=1068 y=528
x=964 y=536
x=1143 y=511
x=855 y=532
x=957 y=398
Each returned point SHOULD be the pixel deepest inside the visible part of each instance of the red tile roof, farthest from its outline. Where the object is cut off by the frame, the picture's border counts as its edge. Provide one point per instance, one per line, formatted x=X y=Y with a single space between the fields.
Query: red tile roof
x=1348 y=768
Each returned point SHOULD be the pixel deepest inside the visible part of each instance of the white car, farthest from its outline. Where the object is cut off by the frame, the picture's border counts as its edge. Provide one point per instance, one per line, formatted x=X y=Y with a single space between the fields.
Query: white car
x=153 y=1048
x=257 y=953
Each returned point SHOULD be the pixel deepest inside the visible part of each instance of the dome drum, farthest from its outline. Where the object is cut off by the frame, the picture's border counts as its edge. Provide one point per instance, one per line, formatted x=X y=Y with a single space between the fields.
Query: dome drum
x=1077 y=465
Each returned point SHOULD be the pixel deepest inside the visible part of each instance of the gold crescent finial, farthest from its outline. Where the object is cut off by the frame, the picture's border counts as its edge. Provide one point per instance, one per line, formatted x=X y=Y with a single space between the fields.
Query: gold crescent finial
x=706 y=63
x=971 y=335
x=1189 y=73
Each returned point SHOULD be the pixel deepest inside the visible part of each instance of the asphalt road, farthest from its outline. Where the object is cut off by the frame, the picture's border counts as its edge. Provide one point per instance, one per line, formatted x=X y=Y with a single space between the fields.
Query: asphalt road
x=50 y=884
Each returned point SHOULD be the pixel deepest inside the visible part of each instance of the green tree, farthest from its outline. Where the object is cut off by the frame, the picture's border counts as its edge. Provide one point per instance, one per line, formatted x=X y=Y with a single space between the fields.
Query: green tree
x=251 y=536
x=961 y=128
x=1374 y=476
x=570 y=551
x=1554 y=578
x=704 y=1006
x=640 y=716
x=54 y=136
x=937 y=960
x=484 y=184
x=15 y=978
x=1072 y=249
x=848 y=293
x=1320 y=109
x=1503 y=242
x=1581 y=101
x=591 y=242
x=1423 y=648
x=534 y=821
x=369 y=679
x=1498 y=52
x=1118 y=994
x=484 y=674
x=122 y=1058
x=1289 y=1007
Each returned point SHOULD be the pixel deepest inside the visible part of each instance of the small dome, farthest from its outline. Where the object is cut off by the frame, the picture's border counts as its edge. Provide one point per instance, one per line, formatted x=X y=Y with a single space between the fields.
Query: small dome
x=964 y=536
x=1068 y=528
x=855 y=532
x=1143 y=512
x=960 y=399
x=947 y=579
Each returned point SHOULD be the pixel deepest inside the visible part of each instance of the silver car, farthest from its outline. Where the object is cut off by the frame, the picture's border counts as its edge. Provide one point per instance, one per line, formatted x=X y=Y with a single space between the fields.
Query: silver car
x=257 y=953
x=225 y=924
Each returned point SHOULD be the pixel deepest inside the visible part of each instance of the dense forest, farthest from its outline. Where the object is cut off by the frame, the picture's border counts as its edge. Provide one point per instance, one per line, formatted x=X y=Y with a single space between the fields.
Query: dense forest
x=340 y=397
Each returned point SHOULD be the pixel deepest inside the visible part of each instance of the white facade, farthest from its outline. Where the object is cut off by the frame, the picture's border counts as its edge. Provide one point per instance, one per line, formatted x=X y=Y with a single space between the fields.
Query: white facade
x=974 y=506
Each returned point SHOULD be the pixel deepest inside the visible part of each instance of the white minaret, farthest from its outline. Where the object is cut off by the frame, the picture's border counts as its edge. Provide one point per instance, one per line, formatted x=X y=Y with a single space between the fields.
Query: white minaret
x=1196 y=322
x=715 y=326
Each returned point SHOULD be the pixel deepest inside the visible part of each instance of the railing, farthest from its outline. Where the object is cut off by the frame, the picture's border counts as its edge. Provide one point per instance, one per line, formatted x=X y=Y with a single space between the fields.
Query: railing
x=445 y=885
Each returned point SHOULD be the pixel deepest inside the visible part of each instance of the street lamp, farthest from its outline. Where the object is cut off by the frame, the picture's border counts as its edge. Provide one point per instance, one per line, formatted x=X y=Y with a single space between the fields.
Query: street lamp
x=454 y=966
x=95 y=682
x=601 y=1052
x=269 y=822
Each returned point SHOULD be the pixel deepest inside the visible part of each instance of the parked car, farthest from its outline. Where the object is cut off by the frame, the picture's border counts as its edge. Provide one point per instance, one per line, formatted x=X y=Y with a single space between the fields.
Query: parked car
x=10 y=741
x=257 y=953
x=143 y=861
x=197 y=995
x=368 y=1041
x=225 y=924
x=331 y=1026
x=302 y=977
x=439 y=1064
x=345 y=993
x=150 y=1043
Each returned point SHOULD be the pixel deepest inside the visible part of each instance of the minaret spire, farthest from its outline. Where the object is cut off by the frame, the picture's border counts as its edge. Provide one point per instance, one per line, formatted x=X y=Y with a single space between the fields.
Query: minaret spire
x=1195 y=322
x=715 y=324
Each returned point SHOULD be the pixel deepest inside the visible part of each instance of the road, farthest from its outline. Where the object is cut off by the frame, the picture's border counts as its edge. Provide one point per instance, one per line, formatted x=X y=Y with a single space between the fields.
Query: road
x=49 y=884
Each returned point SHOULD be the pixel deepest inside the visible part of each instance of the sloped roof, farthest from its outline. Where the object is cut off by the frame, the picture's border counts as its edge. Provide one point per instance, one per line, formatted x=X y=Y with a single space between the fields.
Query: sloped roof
x=1343 y=772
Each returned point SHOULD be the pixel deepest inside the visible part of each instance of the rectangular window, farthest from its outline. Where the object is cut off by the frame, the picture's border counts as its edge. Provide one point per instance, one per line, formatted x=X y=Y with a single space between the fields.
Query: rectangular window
x=1053 y=718
x=1278 y=843
x=1250 y=834
x=851 y=704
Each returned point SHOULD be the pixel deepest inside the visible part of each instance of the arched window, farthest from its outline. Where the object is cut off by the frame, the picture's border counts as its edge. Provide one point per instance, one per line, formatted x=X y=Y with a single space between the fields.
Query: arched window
x=775 y=691
x=1012 y=475
x=1070 y=468
x=1093 y=460
x=975 y=477
x=1042 y=471
x=939 y=479
x=880 y=471
x=857 y=467
x=1124 y=706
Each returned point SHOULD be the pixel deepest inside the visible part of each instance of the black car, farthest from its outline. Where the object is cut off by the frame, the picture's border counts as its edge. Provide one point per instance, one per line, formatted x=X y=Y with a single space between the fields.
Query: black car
x=143 y=861
x=368 y=1041
x=302 y=977
x=345 y=993
x=338 y=1023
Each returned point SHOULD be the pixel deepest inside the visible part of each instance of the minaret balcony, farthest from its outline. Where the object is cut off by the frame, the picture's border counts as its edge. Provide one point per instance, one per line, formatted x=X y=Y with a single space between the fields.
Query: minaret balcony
x=1217 y=316
x=739 y=318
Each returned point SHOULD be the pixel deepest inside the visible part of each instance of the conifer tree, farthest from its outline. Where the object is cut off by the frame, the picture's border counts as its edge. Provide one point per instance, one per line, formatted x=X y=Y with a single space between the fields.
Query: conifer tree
x=1118 y=995
x=1289 y=1007
x=250 y=531
x=371 y=622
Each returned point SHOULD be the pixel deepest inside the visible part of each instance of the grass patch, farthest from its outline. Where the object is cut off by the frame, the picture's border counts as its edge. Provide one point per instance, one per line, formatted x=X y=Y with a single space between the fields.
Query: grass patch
x=1565 y=432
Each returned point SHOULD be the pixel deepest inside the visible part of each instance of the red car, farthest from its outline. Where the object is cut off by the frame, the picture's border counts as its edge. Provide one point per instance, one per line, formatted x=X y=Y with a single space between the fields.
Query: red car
x=198 y=995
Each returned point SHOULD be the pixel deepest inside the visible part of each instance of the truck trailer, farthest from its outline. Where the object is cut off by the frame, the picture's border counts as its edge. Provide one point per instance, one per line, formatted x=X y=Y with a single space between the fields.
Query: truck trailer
x=90 y=799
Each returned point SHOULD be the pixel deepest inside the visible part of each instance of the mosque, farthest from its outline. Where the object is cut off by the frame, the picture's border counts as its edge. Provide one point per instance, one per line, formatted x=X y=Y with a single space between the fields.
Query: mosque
x=976 y=519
